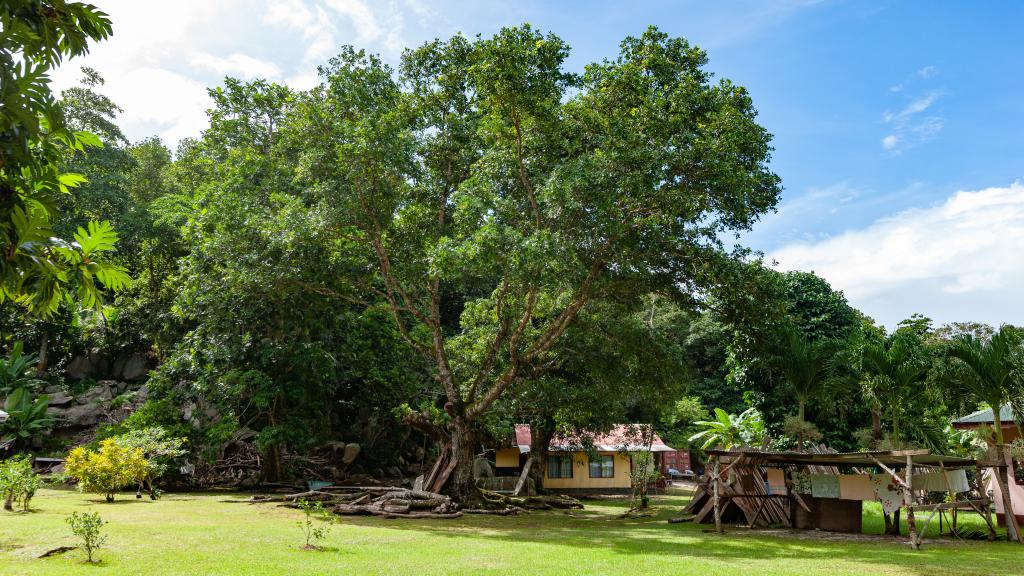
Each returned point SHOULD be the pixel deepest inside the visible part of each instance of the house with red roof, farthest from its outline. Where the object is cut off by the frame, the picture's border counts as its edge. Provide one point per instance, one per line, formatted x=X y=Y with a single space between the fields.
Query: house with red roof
x=1015 y=482
x=587 y=462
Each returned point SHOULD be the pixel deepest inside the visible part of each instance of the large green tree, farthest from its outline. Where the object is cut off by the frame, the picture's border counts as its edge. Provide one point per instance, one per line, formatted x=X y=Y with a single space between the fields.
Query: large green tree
x=287 y=350
x=485 y=164
x=795 y=351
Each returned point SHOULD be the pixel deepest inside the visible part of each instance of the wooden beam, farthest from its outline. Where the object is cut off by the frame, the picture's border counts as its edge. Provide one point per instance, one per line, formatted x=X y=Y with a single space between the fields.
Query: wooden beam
x=800 y=500
x=986 y=513
x=718 y=505
x=959 y=505
x=908 y=503
x=522 y=477
x=1012 y=528
x=758 y=513
x=890 y=472
x=918 y=452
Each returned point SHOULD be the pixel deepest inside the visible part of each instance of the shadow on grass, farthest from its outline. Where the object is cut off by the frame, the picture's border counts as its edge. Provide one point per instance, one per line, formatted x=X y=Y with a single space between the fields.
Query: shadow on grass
x=601 y=528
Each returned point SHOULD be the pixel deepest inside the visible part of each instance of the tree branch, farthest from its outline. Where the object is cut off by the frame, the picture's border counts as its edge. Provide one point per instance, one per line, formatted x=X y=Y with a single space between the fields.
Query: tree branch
x=499 y=338
x=522 y=172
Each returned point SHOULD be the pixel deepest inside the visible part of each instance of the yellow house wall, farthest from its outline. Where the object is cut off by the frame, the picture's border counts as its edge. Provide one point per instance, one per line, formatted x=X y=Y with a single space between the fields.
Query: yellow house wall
x=581 y=473
x=507 y=458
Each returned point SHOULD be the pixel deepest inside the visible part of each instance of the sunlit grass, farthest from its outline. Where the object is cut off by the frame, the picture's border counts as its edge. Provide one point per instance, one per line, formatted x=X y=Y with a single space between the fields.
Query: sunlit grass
x=200 y=534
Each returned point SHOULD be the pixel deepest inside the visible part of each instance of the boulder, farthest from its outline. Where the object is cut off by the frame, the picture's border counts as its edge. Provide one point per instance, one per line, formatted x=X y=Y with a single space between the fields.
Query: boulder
x=131 y=367
x=100 y=393
x=59 y=398
x=80 y=416
x=82 y=367
x=79 y=368
x=351 y=453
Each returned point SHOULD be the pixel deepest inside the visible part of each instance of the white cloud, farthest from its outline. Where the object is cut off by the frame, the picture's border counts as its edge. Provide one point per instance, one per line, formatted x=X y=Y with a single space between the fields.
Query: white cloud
x=163 y=55
x=907 y=128
x=927 y=72
x=957 y=260
x=237 y=64
x=918 y=105
x=292 y=14
x=363 y=19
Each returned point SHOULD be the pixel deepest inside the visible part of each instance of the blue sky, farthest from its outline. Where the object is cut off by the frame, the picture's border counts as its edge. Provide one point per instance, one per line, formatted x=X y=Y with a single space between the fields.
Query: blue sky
x=898 y=125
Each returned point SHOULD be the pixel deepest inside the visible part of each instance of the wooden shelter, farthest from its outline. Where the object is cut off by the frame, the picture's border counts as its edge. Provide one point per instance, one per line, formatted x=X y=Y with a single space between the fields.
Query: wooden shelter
x=764 y=488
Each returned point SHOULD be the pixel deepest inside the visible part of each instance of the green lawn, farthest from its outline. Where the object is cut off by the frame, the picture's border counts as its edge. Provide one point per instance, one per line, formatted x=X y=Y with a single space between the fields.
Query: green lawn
x=199 y=534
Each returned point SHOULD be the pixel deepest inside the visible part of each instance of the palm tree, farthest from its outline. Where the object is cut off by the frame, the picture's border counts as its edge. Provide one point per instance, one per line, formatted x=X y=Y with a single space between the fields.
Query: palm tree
x=810 y=368
x=990 y=372
x=894 y=376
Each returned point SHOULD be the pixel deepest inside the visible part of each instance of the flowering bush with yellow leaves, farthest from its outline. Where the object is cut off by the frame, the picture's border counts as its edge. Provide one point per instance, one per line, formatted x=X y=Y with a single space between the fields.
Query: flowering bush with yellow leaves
x=108 y=469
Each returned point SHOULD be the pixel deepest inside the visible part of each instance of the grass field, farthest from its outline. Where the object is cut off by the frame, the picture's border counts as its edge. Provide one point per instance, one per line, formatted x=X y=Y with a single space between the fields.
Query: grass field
x=191 y=534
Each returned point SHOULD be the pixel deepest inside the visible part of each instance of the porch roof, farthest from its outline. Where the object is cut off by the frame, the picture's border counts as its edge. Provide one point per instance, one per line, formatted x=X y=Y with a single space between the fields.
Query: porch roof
x=974 y=419
x=892 y=458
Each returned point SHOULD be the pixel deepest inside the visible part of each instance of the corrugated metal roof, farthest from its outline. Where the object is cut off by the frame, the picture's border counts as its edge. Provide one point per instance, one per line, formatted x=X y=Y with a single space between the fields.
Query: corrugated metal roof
x=893 y=458
x=622 y=437
x=985 y=416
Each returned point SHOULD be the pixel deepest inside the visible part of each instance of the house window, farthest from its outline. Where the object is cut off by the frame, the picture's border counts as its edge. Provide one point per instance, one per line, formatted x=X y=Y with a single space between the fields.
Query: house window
x=560 y=466
x=602 y=467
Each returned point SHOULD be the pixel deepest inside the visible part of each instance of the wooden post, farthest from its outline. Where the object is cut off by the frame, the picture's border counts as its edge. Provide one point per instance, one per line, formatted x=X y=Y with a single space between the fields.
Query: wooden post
x=522 y=477
x=949 y=488
x=908 y=503
x=1012 y=528
x=715 y=497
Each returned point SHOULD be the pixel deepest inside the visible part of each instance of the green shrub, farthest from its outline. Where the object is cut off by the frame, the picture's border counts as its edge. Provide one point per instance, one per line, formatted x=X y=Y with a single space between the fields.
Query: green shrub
x=18 y=482
x=314 y=531
x=158 y=449
x=87 y=527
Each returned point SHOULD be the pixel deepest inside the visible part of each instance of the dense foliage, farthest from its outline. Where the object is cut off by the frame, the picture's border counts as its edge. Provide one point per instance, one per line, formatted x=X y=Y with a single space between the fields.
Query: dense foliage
x=413 y=257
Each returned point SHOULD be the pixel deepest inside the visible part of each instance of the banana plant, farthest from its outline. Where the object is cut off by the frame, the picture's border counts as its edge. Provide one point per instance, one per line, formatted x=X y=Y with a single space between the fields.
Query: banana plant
x=25 y=417
x=729 y=430
x=17 y=371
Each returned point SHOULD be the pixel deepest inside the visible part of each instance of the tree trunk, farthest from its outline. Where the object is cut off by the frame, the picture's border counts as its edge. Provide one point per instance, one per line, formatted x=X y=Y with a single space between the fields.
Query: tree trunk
x=272 y=464
x=892 y=527
x=876 y=425
x=461 y=484
x=44 y=344
x=802 y=423
x=540 y=439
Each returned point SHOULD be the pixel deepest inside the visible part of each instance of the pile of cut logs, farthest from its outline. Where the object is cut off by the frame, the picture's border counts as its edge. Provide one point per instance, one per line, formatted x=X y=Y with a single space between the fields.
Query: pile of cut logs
x=395 y=502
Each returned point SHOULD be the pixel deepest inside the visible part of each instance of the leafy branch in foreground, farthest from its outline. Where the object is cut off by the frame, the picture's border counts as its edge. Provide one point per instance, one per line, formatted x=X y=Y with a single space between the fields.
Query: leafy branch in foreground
x=36 y=269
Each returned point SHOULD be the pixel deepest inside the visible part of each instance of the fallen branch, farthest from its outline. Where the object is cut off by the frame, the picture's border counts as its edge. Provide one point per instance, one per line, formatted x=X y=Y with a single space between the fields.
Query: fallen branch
x=57 y=550
x=510 y=511
x=427 y=515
